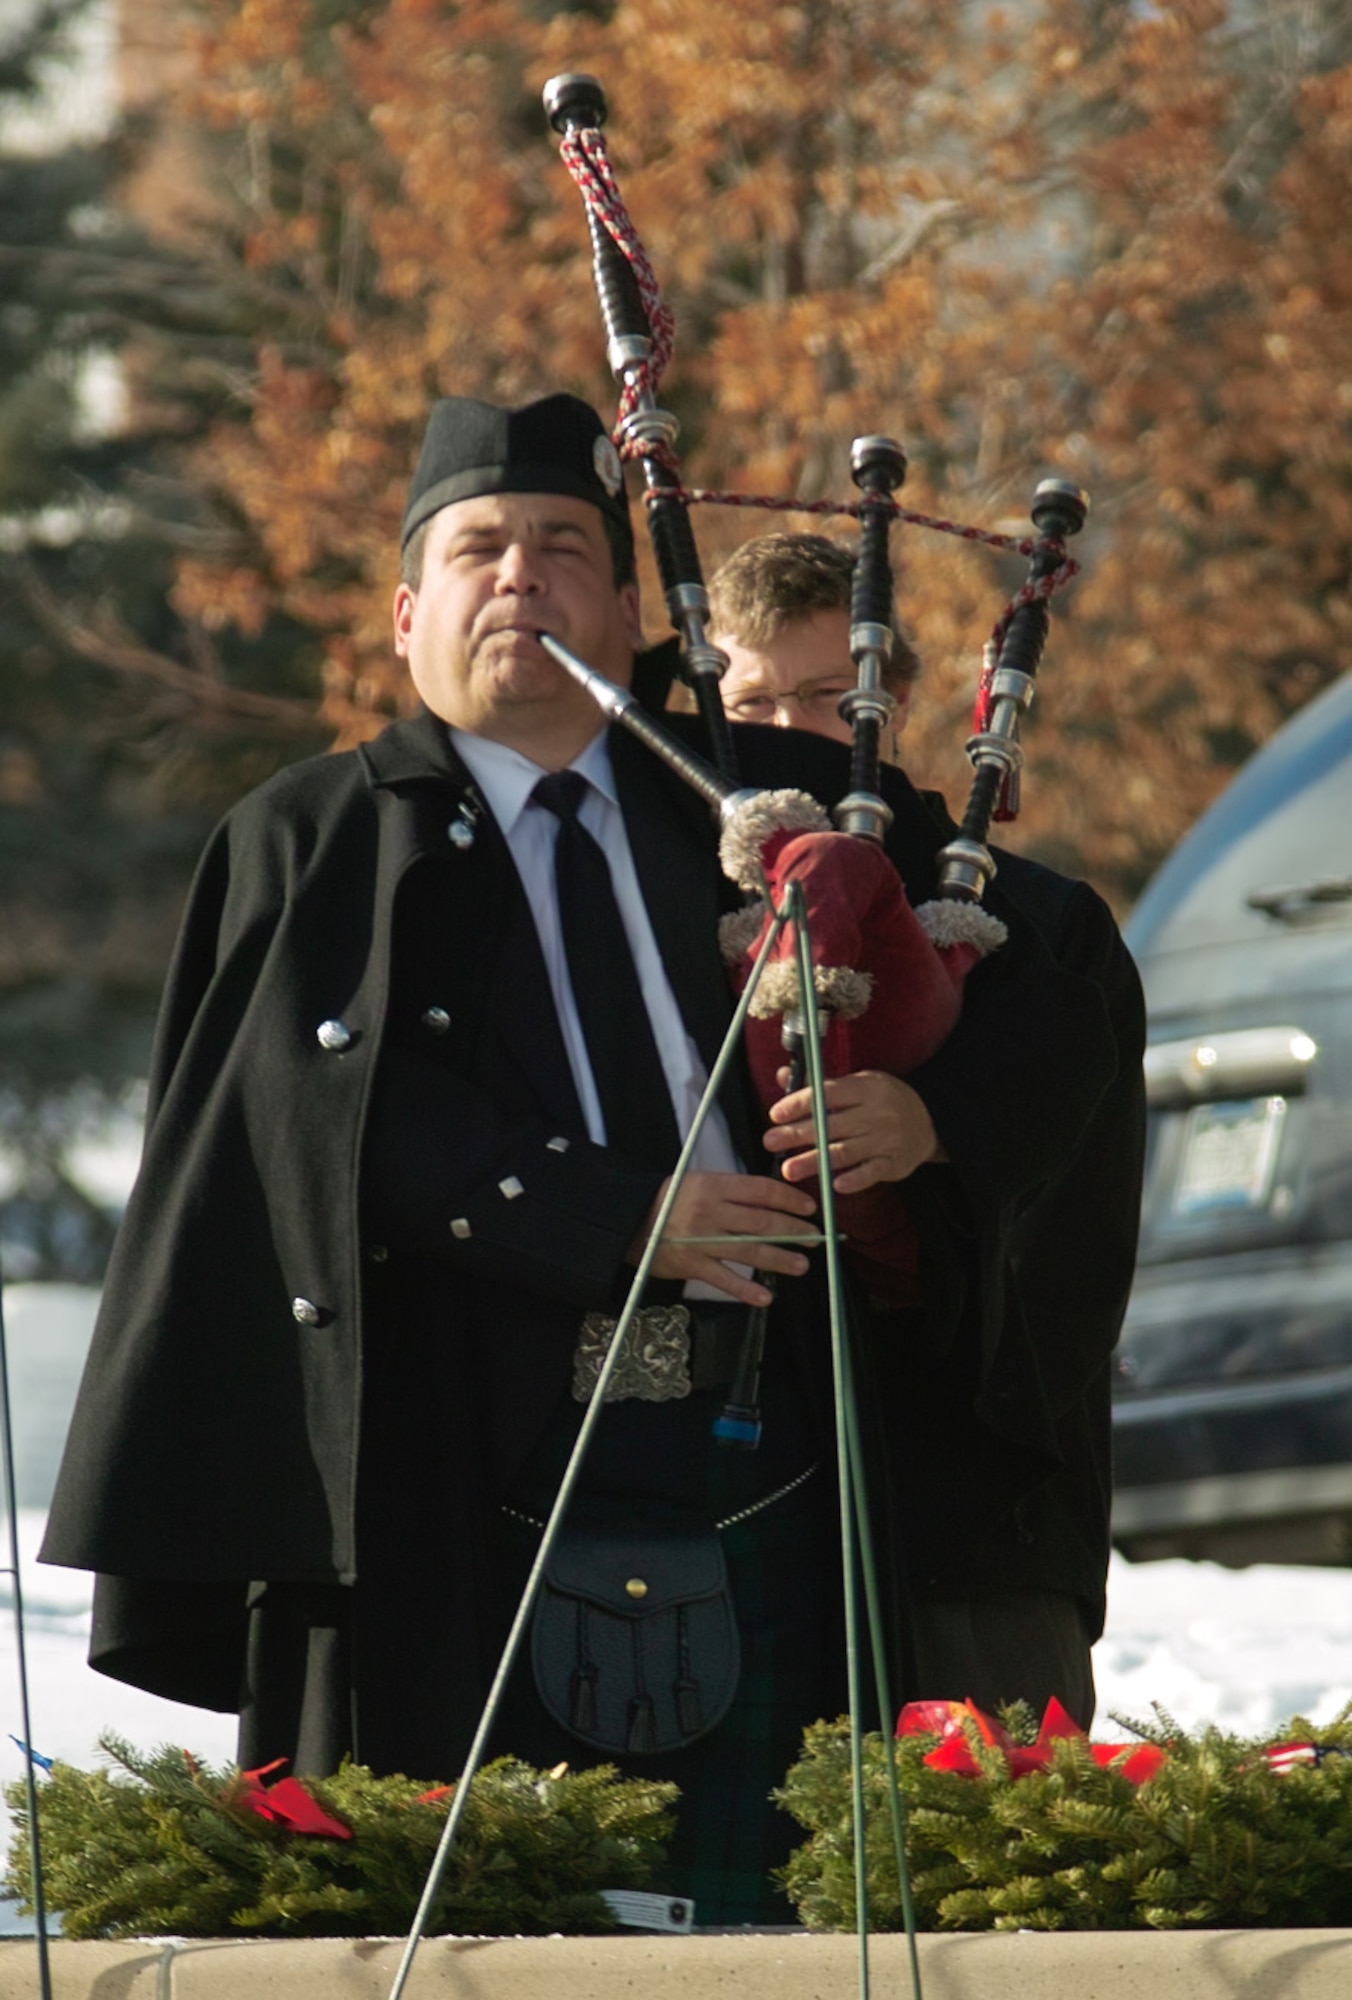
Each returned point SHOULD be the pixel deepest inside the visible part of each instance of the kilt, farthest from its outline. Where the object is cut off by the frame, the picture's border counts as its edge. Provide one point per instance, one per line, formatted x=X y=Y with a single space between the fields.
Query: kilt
x=375 y=1670
x=783 y=1569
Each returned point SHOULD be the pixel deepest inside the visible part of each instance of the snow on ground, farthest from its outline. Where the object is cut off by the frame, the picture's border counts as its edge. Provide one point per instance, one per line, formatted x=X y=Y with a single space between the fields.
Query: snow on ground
x=69 y=1704
x=1244 y=1649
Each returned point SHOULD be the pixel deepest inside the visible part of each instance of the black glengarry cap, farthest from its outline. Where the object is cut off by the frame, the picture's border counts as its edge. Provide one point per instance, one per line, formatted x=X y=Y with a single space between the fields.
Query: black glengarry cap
x=555 y=445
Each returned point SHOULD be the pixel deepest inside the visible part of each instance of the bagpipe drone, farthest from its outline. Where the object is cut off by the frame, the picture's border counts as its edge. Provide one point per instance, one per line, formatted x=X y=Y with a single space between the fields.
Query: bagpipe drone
x=887 y=978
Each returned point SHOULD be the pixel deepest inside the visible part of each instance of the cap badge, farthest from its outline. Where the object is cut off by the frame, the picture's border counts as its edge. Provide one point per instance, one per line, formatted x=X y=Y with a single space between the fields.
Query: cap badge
x=606 y=461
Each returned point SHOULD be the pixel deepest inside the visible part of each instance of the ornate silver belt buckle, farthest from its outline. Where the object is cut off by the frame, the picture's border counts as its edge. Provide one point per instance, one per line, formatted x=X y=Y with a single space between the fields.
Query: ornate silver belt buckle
x=654 y=1360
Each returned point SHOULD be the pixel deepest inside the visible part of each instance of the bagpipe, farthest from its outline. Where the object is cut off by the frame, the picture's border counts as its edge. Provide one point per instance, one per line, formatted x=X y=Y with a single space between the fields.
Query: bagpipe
x=887 y=977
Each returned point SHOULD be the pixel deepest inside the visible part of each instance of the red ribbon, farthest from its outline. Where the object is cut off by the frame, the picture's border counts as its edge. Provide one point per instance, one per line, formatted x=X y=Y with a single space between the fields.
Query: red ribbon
x=287 y=1804
x=949 y=1721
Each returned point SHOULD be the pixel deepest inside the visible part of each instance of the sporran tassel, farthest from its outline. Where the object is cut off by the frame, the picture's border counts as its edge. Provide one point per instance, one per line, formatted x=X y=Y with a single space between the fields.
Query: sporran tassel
x=642 y=1726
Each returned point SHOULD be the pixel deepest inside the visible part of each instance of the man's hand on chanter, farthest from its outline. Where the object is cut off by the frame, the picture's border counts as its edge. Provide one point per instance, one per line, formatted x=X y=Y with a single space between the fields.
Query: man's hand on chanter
x=877 y=1129
x=747 y=1207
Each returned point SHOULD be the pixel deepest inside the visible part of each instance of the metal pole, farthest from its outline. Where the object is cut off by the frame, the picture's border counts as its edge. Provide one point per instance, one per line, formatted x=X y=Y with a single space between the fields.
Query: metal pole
x=856 y=1531
x=873 y=1602
x=26 y=1724
x=812 y=1050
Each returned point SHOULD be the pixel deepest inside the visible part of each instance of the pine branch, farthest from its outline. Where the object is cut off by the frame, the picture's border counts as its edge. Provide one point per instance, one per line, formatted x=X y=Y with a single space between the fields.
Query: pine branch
x=201 y=688
x=163 y=1845
x=1218 y=1837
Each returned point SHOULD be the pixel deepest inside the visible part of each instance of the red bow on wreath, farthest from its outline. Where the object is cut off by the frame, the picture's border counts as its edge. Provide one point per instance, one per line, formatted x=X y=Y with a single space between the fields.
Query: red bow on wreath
x=949 y=1720
x=287 y=1804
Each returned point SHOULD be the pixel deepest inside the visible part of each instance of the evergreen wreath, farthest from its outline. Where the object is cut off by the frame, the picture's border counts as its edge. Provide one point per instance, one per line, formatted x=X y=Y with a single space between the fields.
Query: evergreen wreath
x=163 y=1845
x=1226 y=1833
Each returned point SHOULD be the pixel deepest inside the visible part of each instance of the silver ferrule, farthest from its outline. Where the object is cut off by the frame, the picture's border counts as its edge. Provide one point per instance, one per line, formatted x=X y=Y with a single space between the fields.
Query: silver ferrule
x=703 y=659
x=688 y=607
x=628 y=350
x=965 y=867
x=1008 y=684
x=863 y=814
x=794 y=1025
x=867 y=701
x=736 y=802
x=1005 y=719
x=687 y=600
x=648 y=426
x=1006 y=751
x=605 y=693
x=867 y=638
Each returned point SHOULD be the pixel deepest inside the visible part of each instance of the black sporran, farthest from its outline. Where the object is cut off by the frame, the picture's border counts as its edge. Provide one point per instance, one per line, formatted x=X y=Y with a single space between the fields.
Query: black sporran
x=634 y=1641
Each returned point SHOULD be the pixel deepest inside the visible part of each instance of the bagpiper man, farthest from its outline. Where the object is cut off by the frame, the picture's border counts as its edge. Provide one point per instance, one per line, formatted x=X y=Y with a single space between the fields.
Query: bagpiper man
x=438 y=1015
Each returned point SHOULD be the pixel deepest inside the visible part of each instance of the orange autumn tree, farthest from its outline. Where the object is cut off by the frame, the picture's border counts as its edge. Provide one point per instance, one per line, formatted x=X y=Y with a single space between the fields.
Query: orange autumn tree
x=1079 y=237
x=1206 y=327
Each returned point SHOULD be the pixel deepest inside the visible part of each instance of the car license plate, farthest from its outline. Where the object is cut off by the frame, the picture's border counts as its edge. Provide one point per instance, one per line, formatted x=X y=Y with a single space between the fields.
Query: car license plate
x=1229 y=1155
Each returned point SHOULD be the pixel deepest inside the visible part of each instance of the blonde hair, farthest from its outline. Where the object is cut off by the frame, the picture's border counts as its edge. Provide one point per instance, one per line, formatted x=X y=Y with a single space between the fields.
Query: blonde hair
x=777 y=579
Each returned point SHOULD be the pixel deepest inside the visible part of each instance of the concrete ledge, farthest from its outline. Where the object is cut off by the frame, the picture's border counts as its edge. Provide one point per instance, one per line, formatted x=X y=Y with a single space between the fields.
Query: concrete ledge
x=1083 y=1965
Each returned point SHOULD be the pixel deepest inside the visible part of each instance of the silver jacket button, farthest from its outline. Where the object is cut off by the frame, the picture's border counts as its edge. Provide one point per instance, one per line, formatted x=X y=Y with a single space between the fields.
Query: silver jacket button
x=306 y=1311
x=436 y=1020
x=334 y=1035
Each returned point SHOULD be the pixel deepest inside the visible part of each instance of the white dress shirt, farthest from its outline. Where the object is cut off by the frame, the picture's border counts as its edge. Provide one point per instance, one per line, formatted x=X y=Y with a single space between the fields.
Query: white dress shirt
x=507 y=779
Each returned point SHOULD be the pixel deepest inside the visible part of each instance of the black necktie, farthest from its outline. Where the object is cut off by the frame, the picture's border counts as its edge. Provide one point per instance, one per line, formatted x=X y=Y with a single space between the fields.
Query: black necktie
x=630 y=1081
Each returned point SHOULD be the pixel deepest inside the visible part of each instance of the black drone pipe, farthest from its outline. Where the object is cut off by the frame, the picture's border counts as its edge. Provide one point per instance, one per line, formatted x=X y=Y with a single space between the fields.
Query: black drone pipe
x=1059 y=510
x=879 y=467
x=576 y=104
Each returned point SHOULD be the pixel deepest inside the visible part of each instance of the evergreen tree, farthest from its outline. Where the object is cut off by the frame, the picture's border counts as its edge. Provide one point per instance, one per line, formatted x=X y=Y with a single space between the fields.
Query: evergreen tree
x=124 y=726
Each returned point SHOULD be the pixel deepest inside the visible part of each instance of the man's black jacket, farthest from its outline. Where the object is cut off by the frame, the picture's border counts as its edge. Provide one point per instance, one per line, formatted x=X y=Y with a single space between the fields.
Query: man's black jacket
x=217 y=1434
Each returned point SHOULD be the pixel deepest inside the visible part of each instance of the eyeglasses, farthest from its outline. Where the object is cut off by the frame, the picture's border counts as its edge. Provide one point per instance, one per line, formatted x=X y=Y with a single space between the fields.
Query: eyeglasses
x=819 y=698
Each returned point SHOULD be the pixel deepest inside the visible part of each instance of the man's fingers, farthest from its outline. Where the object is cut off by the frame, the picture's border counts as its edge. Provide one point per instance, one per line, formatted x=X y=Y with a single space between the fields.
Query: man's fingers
x=847 y=1160
x=841 y=1151
x=743 y=1231
x=743 y=1206
x=762 y=1222
x=745 y=1290
x=719 y=1220
x=686 y=1261
x=856 y=1179
x=877 y=1129
x=843 y=1121
x=759 y=1192
x=840 y=1092
x=783 y=1138
x=775 y=1257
